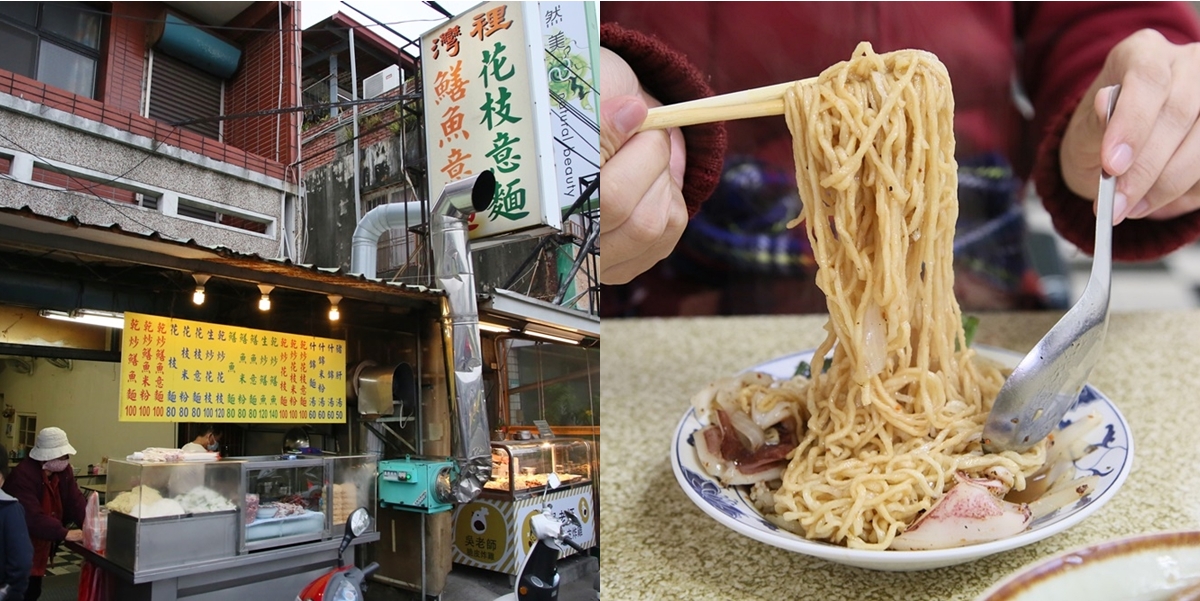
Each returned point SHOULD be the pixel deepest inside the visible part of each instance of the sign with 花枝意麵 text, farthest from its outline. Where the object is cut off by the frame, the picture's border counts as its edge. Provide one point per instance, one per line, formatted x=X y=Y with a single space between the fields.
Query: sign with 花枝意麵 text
x=487 y=108
x=175 y=370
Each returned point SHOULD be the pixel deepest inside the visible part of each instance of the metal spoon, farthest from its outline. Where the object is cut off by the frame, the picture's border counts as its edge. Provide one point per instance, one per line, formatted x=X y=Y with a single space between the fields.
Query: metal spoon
x=1048 y=380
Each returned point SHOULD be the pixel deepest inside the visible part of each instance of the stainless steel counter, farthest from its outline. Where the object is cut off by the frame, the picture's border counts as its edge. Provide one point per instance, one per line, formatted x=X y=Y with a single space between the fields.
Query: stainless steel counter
x=273 y=575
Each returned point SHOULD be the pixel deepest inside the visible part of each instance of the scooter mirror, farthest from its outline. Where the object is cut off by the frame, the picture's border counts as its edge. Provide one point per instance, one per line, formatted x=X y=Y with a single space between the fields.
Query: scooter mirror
x=357 y=524
x=360 y=520
x=553 y=481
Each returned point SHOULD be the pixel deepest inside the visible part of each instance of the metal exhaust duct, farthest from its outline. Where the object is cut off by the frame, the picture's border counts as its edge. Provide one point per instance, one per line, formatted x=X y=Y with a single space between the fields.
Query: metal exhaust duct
x=364 y=244
x=454 y=274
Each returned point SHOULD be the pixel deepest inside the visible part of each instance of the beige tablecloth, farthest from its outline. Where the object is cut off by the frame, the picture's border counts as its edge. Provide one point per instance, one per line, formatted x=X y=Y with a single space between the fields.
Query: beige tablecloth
x=658 y=545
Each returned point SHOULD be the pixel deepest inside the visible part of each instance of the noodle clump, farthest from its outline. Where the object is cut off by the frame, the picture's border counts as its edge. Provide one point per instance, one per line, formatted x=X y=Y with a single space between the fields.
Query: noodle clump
x=902 y=406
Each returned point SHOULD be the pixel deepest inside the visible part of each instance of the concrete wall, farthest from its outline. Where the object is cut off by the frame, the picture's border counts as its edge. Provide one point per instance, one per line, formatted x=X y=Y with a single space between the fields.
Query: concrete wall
x=201 y=178
x=82 y=401
x=329 y=197
x=329 y=185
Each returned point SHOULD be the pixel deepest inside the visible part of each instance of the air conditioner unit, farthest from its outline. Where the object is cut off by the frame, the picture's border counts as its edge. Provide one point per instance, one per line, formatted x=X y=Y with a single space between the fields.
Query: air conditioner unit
x=381 y=82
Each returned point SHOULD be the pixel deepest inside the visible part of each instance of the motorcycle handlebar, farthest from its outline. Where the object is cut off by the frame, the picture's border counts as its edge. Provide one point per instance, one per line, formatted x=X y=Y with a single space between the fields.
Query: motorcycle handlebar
x=570 y=514
x=574 y=545
x=370 y=569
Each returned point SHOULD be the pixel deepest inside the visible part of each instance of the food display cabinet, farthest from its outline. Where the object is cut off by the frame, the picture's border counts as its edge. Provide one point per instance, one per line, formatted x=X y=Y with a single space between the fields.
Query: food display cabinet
x=154 y=506
x=493 y=531
x=285 y=501
x=239 y=528
x=291 y=499
x=520 y=468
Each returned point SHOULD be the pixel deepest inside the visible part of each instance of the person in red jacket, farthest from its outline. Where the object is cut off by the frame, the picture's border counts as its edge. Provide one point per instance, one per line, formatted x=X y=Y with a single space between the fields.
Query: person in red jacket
x=45 y=486
x=1031 y=81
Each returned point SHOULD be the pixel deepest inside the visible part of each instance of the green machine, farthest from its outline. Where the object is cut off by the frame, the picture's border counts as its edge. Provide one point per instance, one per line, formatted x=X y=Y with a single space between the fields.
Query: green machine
x=415 y=484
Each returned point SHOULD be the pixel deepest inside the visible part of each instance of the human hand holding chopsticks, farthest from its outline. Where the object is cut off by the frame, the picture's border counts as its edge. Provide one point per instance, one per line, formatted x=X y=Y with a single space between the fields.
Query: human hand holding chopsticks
x=644 y=216
x=758 y=102
x=641 y=178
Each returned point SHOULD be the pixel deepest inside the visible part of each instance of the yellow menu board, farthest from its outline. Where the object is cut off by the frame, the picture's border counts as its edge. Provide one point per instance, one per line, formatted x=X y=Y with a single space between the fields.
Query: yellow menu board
x=175 y=370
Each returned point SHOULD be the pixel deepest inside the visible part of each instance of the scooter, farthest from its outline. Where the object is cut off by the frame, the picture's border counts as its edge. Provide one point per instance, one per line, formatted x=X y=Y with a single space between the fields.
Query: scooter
x=538 y=578
x=343 y=583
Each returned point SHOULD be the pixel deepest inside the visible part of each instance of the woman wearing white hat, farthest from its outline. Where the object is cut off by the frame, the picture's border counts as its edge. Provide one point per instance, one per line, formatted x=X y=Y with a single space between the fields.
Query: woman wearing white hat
x=45 y=485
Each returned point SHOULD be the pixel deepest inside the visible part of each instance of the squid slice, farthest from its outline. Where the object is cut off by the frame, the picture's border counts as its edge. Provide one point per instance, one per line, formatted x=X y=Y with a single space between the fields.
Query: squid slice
x=969 y=513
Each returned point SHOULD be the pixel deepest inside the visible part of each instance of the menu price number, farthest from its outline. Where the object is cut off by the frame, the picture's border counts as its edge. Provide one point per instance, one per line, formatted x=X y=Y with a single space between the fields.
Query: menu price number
x=203 y=372
x=145 y=411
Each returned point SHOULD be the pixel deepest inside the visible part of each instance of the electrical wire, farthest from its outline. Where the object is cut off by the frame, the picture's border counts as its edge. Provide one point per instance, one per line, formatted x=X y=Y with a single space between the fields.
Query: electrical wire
x=279 y=103
x=112 y=15
x=90 y=189
x=581 y=79
x=564 y=144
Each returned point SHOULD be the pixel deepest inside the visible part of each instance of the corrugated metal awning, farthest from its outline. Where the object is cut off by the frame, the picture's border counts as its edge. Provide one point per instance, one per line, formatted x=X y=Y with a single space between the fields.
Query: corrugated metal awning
x=24 y=229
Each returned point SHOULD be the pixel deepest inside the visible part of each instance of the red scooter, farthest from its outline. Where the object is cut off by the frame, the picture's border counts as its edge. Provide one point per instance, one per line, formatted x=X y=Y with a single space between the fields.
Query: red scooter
x=343 y=583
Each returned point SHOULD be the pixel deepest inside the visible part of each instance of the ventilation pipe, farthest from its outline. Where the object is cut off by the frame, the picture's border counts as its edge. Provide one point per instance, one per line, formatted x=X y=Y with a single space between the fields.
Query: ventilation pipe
x=454 y=274
x=364 y=245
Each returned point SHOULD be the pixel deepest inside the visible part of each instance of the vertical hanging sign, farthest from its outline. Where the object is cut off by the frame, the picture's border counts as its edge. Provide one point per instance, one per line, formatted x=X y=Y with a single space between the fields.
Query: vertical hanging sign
x=567 y=40
x=174 y=370
x=485 y=99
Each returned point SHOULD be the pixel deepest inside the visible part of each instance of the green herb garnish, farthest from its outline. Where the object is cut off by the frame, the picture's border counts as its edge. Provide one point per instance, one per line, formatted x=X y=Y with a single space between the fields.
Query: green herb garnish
x=805 y=369
x=970 y=325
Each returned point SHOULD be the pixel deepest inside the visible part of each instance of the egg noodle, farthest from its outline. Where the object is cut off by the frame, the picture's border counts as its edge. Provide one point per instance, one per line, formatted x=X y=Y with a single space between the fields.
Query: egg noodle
x=902 y=405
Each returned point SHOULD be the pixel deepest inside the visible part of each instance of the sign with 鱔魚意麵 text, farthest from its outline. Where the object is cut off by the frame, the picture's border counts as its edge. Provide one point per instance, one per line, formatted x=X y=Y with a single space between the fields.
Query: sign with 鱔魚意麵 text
x=486 y=108
x=175 y=370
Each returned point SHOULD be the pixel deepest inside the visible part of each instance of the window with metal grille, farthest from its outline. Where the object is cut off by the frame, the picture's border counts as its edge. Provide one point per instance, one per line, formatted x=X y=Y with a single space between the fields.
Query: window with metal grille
x=180 y=92
x=56 y=43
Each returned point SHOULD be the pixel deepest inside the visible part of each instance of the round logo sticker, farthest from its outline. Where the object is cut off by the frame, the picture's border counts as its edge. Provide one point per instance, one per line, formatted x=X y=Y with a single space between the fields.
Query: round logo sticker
x=585 y=510
x=528 y=537
x=480 y=534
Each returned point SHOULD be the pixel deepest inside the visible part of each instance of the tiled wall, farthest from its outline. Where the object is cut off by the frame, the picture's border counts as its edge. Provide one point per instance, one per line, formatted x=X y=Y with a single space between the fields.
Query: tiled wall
x=256 y=87
x=261 y=144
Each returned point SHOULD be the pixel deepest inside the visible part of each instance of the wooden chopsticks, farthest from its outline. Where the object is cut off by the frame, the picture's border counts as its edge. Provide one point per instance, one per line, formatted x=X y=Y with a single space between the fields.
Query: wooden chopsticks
x=758 y=102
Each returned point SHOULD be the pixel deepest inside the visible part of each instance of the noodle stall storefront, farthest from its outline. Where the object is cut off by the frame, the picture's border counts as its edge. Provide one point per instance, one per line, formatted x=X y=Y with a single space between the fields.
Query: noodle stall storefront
x=276 y=513
x=122 y=390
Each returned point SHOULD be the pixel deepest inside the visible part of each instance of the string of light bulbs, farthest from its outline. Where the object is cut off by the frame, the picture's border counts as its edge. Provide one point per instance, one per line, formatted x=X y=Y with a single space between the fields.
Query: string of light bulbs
x=264 y=300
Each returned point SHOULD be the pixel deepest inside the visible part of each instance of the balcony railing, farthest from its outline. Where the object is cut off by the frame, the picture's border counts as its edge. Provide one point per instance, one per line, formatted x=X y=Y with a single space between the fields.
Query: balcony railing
x=318 y=94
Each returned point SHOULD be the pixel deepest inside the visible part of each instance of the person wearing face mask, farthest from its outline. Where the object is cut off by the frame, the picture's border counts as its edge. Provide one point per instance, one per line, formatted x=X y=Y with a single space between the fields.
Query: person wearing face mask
x=207 y=441
x=44 y=484
x=16 y=552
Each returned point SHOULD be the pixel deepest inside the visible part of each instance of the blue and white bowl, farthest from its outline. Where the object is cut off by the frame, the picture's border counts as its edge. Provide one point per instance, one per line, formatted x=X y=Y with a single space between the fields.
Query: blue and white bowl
x=1110 y=457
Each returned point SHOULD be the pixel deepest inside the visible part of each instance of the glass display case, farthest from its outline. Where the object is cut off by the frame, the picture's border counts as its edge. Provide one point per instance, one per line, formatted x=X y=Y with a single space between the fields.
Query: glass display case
x=153 y=506
x=163 y=515
x=285 y=500
x=492 y=531
x=521 y=468
x=354 y=484
x=292 y=499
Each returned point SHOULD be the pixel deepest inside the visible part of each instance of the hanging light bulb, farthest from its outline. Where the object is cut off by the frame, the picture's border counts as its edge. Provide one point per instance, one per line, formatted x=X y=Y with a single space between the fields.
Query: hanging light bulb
x=264 y=303
x=198 y=295
x=334 y=314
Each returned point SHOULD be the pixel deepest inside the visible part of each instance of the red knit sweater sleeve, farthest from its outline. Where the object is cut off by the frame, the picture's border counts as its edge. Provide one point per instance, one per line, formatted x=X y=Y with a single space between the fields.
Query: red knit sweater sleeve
x=668 y=76
x=1066 y=45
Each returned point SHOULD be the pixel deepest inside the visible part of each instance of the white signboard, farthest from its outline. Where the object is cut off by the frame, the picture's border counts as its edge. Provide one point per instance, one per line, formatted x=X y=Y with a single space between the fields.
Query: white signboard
x=568 y=39
x=487 y=107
